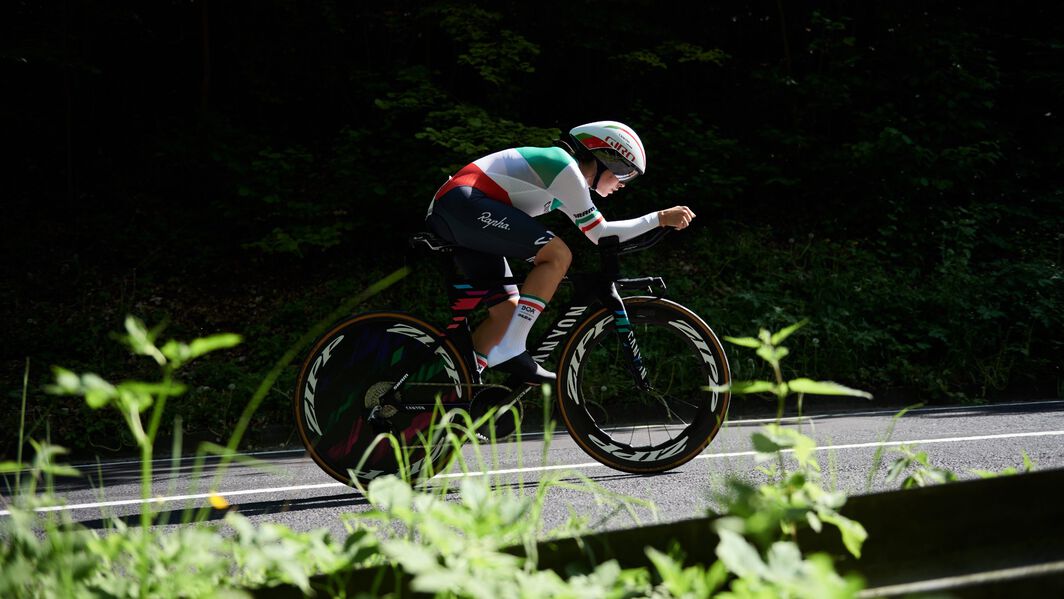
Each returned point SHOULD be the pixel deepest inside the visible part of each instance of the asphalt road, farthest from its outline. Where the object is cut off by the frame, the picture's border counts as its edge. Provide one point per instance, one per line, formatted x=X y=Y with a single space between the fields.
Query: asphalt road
x=288 y=488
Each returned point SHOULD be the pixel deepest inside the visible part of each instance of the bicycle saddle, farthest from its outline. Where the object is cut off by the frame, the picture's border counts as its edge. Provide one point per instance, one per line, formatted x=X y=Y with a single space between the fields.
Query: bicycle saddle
x=431 y=242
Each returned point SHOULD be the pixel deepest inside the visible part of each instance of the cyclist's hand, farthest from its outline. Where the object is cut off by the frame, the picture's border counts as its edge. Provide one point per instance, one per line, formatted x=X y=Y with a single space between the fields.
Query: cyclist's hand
x=677 y=217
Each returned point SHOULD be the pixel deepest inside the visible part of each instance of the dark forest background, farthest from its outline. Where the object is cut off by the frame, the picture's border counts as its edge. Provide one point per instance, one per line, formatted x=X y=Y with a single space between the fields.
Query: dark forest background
x=889 y=170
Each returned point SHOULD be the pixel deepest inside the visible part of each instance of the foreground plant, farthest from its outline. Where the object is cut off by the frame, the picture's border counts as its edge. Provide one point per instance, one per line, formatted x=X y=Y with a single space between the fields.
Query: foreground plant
x=45 y=553
x=447 y=540
x=133 y=398
x=759 y=535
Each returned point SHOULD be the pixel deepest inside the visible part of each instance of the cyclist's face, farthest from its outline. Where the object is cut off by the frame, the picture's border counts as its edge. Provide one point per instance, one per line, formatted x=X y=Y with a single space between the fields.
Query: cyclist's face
x=608 y=183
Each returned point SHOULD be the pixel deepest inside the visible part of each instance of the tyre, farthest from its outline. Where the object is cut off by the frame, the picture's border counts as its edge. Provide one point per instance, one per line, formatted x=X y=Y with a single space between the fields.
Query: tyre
x=633 y=430
x=347 y=371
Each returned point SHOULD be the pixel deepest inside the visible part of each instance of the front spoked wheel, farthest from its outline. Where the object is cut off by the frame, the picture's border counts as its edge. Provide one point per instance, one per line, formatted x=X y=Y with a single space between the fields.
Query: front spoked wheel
x=640 y=431
x=343 y=378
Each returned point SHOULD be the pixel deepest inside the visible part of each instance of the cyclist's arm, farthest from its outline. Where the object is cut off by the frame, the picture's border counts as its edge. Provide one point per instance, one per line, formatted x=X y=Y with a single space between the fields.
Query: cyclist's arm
x=571 y=190
x=595 y=226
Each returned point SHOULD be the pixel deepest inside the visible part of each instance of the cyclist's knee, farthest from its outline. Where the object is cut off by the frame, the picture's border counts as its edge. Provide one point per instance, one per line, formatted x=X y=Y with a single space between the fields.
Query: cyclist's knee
x=555 y=252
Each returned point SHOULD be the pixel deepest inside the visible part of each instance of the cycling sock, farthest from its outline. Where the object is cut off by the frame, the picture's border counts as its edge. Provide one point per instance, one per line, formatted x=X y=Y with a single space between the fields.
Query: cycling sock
x=528 y=310
x=482 y=361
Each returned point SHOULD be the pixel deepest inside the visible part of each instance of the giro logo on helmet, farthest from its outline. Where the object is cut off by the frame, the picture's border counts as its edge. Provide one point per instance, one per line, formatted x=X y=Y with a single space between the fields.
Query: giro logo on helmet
x=621 y=149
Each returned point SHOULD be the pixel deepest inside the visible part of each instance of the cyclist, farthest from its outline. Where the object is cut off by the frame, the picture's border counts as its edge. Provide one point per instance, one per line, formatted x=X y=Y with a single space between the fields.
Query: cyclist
x=488 y=206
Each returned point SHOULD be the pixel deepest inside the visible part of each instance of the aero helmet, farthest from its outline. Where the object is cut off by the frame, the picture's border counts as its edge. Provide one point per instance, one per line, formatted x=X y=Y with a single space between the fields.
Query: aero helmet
x=615 y=145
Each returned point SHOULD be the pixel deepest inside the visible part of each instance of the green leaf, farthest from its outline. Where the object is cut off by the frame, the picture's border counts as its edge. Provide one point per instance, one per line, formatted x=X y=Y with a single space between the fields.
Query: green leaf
x=180 y=352
x=439 y=581
x=853 y=533
x=811 y=387
x=139 y=387
x=93 y=382
x=413 y=557
x=669 y=570
x=784 y=561
x=66 y=382
x=775 y=438
x=245 y=531
x=750 y=387
x=716 y=576
x=772 y=355
x=897 y=468
x=765 y=444
x=475 y=492
x=787 y=332
x=213 y=343
x=97 y=400
x=744 y=341
x=60 y=470
x=768 y=354
x=1028 y=463
x=814 y=521
x=10 y=466
x=740 y=557
x=141 y=341
x=390 y=493
x=134 y=400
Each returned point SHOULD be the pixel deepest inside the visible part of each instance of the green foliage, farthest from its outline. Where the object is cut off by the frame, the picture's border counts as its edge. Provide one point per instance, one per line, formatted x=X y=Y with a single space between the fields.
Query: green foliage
x=759 y=534
x=47 y=556
x=443 y=544
x=468 y=130
x=768 y=348
x=692 y=581
x=1028 y=466
x=496 y=53
x=918 y=470
x=455 y=548
x=279 y=190
x=783 y=572
x=796 y=499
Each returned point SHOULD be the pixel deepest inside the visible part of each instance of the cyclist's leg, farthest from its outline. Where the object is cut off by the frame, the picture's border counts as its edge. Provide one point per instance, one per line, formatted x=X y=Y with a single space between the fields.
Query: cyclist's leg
x=500 y=301
x=551 y=264
x=475 y=260
x=481 y=223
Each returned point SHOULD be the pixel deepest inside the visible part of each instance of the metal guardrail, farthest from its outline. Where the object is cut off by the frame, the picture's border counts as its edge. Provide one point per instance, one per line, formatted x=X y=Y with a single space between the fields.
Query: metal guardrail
x=969 y=539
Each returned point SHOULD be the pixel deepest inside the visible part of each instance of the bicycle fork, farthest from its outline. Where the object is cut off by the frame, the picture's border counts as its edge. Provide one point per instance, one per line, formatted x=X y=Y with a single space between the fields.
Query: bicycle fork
x=633 y=361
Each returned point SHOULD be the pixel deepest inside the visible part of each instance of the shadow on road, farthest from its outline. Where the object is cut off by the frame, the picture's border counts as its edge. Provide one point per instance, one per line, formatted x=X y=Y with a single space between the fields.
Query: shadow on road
x=259 y=508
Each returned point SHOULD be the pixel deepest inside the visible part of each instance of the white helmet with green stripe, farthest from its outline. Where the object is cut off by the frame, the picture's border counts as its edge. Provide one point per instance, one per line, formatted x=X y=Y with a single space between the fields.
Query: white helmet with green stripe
x=615 y=145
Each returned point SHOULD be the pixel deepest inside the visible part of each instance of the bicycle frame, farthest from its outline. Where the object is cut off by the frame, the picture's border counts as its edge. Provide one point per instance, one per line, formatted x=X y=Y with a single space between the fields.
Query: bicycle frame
x=590 y=290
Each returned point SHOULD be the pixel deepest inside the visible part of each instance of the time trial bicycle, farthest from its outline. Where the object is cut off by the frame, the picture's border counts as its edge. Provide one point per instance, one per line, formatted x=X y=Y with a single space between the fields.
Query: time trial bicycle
x=632 y=376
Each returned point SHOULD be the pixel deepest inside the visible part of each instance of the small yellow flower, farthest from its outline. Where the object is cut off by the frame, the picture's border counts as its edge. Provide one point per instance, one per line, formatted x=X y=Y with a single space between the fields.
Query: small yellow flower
x=217 y=501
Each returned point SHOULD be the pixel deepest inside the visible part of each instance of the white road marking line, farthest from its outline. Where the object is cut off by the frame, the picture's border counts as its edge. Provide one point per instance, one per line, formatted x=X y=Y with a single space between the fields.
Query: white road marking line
x=538 y=434
x=533 y=469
